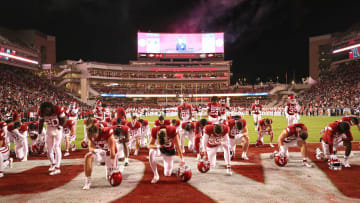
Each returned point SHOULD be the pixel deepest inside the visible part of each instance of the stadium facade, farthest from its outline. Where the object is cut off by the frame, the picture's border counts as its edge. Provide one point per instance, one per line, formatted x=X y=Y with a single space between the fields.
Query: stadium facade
x=330 y=50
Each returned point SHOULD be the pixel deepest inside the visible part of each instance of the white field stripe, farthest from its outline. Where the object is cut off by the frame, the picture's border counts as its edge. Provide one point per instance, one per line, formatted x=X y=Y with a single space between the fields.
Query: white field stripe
x=101 y=190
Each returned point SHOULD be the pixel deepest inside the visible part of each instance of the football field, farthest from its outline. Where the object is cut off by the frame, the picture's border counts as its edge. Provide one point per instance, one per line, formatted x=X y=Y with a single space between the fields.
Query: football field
x=258 y=179
x=313 y=123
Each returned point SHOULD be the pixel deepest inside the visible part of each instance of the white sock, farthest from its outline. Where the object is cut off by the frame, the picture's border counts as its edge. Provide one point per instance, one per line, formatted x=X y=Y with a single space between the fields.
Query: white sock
x=126 y=159
x=243 y=154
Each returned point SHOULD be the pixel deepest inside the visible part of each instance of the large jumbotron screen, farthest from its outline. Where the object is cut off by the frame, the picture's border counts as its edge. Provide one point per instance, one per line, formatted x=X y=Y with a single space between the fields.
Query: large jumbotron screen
x=180 y=45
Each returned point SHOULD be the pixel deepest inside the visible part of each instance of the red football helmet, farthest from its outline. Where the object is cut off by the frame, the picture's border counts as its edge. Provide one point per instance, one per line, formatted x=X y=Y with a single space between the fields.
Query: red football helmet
x=259 y=143
x=292 y=99
x=184 y=173
x=38 y=147
x=280 y=160
x=33 y=135
x=334 y=164
x=203 y=166
x=84 y=144
x=115 y=178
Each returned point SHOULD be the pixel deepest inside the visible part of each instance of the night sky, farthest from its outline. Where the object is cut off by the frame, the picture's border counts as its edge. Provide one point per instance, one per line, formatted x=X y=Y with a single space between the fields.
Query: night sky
x=264 y=38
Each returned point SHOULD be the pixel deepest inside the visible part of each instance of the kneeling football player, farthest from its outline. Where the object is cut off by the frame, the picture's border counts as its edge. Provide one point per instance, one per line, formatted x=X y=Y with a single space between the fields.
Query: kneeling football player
x=294 y=135
x=238 y=133
x=163 y=141
x=102 y=149
x=336 y=134
x=216 y=136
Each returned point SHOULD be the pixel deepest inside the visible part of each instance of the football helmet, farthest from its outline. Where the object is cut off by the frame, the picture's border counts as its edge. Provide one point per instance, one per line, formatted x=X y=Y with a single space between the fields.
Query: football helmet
x=280 y=160
x=292 y=100
x=203 y=166
x=184 y=173
x=84 y=144
x=334 y=164
x=259 y=143
x=33 y=135
x=115 y=178
x=257 y=101
x=38 y=147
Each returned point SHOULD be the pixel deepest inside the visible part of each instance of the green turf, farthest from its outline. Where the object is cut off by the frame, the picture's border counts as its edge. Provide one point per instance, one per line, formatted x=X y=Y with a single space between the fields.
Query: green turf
x=314 y=125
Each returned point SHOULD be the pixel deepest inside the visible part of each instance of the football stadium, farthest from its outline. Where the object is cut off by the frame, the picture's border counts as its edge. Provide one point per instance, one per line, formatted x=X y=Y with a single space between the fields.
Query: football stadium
x=185 y=118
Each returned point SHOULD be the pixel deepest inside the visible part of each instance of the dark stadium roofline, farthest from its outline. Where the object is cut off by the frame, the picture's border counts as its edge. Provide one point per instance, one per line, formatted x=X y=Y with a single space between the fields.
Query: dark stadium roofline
x=187 y=95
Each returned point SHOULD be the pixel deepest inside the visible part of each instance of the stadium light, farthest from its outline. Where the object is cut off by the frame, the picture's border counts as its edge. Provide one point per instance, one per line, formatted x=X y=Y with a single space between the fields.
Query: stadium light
x=346 y=48
x=18 y=58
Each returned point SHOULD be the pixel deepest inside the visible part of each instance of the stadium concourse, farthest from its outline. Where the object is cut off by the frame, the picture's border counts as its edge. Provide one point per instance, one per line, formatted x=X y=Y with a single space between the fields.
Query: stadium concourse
x=255 y=179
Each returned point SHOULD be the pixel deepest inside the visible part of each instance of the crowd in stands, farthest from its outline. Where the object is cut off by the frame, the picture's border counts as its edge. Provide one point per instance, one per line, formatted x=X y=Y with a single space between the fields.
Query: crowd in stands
x=337 y=93
x=23 y=91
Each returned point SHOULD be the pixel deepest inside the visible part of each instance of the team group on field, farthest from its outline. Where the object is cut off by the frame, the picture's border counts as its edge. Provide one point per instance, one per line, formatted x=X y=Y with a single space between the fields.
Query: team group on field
x=111 y=139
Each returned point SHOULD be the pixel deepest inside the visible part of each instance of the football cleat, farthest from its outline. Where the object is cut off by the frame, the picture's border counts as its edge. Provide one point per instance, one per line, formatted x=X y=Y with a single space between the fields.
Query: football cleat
x=198 y=157
x=319 y=154
x=87 y=185
x=244 y=157
x=273 y=154
x=66 y=154
x=307 y=164
x=52 y=168
x=1 y=175
x=271 y=145
x=228 y=171
x=346 y=163
x=24 y=159
x=155 y=179
x=73 y=147
x=55 y=172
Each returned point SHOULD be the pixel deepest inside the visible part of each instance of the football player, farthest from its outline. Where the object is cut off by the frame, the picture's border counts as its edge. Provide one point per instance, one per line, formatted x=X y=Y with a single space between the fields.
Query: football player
x=336 y=134
x=213 y=109
x=122 y=138
x=256 y=110
x=135 y=133
x=120 y=113
x=145 y=132
x=294 y=136
x=187 y=130
x=238 y=133
x=199 y=133
x=223 y=110
x=162 y=122
x=291 y=111
x=163 y=142
x=5 y=159
x=54 y=117
x=176 y=123
x=265 y=128
x=184 y=112
x=69 y=135
x=18 y=134
x=102 y=148
x=35 y=138
x=216 y=136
